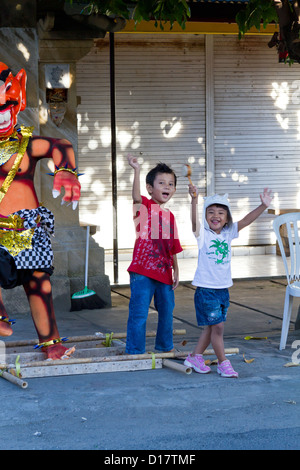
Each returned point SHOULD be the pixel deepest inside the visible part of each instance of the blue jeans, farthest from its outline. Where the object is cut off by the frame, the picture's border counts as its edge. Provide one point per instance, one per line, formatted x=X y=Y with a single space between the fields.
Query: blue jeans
x=142 y=291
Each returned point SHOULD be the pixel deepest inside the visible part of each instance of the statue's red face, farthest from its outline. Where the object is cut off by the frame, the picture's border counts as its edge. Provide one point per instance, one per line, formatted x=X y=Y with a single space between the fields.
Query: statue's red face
x=12 y=98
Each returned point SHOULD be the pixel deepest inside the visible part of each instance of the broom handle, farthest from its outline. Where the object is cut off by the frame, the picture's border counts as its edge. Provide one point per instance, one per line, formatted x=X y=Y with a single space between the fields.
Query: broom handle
x=191 y=182
x=87 y=255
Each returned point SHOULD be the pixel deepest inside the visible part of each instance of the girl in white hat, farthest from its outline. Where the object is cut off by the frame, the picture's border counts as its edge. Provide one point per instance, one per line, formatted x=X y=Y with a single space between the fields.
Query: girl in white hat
x=213 y=273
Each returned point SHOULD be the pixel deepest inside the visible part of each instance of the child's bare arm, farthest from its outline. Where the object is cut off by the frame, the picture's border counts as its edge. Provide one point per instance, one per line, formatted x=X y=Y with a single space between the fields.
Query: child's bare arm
x=136 y=191
x=266 y=199
x=175 y=272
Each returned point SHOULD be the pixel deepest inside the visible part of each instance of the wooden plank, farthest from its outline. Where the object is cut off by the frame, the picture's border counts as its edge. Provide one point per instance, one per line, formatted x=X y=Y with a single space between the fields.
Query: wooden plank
x=120 y=358
x=124 y=363
x=29 y=357
x=92 y=368
x=91 y=357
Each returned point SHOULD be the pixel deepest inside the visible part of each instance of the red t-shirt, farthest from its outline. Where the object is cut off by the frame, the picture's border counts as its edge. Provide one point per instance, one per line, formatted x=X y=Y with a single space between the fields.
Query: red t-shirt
x=156 y=243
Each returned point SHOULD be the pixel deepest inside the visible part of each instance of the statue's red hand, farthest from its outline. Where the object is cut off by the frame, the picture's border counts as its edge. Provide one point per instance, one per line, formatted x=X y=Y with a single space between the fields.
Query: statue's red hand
x=71 y=185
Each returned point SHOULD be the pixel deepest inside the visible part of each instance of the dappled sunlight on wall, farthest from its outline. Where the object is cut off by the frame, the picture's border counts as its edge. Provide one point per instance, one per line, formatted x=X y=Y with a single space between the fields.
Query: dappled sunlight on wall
x=257 y=131
x=157 y=119
x=171 y=129
x=96 y=185
x=24 y=50
x=280 y=95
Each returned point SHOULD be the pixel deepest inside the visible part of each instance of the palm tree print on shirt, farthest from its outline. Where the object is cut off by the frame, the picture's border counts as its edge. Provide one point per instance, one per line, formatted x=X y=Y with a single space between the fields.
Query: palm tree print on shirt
x=221 y=250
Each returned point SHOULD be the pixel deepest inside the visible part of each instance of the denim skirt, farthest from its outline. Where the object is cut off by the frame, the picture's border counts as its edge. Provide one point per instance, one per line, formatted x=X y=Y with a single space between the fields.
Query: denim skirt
x=211 y=305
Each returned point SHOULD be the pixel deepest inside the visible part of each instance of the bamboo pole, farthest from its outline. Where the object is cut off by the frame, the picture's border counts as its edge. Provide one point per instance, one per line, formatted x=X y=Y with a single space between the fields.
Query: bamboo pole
x=175 y=366
x=99 y=336
x=13 y=379
x=79 y=339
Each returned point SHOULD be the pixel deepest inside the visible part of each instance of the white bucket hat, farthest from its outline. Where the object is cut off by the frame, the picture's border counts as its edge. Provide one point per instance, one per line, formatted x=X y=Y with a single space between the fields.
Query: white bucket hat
x=209 y=201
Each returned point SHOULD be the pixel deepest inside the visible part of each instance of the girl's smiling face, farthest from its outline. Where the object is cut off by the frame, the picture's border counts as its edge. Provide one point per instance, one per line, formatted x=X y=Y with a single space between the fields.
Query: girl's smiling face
x=216 y=217
x=163 y=188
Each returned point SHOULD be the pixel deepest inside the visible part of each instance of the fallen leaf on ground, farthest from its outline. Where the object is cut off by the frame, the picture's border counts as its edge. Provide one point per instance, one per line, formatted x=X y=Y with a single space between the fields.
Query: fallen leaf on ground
x=255 y=337
x=248 y=361
x=208 y=362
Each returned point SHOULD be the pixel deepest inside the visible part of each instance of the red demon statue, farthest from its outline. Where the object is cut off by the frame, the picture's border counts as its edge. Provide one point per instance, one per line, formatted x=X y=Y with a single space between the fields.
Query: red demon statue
x=25 y=226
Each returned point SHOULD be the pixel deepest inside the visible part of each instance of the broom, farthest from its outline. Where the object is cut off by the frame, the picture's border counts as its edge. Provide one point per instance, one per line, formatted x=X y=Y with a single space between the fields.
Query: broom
x=86 y=298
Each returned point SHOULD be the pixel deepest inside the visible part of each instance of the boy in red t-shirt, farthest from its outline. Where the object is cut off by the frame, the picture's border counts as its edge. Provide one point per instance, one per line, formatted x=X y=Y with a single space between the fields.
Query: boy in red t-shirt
x=154 y=267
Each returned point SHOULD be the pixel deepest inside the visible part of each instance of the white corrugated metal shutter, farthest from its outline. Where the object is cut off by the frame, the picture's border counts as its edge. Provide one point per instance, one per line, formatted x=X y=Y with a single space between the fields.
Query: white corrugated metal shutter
x=160 y=116
x=257 y=129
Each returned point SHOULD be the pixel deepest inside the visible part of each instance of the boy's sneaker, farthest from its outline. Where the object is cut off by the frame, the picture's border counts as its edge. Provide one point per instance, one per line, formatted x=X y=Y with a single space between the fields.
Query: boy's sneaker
x=197 y=363
x=225 y=369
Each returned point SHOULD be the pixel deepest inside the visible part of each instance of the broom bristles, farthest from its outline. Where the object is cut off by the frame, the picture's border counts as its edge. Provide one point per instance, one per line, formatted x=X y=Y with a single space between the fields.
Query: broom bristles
x=83 y=293
x=91 y=302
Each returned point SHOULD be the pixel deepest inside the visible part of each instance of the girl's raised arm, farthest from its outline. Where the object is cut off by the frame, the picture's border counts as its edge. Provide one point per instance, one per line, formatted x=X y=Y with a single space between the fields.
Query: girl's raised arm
x=266 y=199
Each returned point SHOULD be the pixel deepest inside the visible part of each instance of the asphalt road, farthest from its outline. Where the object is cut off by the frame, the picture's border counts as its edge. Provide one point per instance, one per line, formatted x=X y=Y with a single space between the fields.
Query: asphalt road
x=163 y=410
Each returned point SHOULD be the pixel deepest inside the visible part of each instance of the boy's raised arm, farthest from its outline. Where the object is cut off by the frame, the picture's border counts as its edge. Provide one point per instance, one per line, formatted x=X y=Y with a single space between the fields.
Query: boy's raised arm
x=136 y=190
x=266 y=199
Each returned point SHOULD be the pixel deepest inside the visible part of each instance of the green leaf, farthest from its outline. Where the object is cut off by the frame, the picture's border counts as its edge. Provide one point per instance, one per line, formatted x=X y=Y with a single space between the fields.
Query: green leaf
x=255 y=19
x=256 y=13
x=161 y=11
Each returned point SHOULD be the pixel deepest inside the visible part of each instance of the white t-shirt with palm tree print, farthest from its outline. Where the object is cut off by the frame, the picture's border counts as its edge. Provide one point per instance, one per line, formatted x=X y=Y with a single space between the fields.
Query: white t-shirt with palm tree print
x=214 y=258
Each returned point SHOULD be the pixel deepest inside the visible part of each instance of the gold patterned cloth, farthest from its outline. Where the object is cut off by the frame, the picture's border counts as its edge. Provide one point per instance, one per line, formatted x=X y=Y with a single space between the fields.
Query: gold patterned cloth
x=15 y=241
x=13 y=236
x=25 y=235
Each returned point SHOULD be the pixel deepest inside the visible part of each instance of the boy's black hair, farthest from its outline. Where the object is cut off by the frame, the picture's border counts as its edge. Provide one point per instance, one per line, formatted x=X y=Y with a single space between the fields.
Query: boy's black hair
x=160 y=168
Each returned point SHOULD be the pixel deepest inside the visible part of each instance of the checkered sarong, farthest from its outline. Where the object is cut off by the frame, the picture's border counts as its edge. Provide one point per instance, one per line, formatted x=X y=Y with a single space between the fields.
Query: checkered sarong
x=40 y=255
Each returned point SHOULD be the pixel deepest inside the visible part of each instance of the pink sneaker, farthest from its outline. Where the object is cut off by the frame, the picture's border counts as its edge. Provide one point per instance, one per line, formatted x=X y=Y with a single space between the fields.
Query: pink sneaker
x=225 y=369
x=197 y=363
